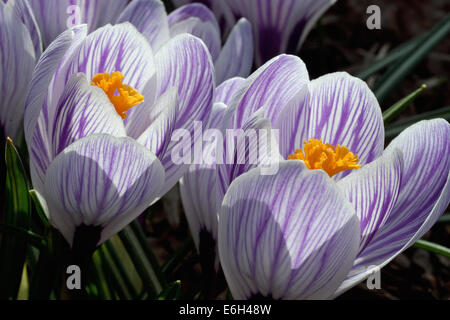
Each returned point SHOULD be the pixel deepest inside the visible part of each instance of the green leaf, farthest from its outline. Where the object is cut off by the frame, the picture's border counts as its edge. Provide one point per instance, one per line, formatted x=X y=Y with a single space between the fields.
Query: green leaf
x=401 y=51
x=171 y=292
x=433 y=247
x=18 y=214
x=395 y=128
x=40 y=211
x=391 y=113
x=148 y=270
x=386 y=84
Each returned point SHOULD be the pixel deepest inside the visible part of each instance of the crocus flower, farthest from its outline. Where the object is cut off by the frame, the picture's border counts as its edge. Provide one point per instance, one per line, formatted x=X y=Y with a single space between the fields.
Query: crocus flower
x=280 y=26
x=305 y=233
x=108 y=84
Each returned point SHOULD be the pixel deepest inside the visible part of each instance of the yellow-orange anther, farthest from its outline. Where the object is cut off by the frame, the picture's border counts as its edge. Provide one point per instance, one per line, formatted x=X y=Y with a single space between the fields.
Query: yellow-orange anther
x=327 y=157
x=122 y=96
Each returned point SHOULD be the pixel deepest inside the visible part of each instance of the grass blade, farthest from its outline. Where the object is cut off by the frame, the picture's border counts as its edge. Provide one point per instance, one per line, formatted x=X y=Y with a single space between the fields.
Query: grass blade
x=395 y=128
x=391 y=113
x=391 y=79
x=401 y=51
x=433 y=247
x=145 y=269
x=171 y=292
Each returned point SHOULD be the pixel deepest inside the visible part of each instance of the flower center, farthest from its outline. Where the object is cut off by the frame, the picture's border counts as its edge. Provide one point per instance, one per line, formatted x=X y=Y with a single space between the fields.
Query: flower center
x=122 y=96
x=327 y=157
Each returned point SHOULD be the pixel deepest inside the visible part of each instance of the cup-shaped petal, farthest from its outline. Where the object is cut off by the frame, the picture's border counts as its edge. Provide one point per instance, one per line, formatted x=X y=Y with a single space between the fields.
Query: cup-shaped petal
x=199 y=21
x=338 y=109
x=185 y=63
x=101 y=181
x=150 y=18
x=288 y=236
x=423 y=195
x=236 y=57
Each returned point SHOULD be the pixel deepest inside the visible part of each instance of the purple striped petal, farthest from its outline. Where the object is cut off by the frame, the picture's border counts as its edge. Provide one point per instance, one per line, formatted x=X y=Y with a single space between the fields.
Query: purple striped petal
x=373 y=191
x=236 y=57
x=39 y=97
x=221 y=10
x=24 y=11
x=338 y=109
x=293 y=122
x=225 y=91
x=109 y=49
x=252 y=146
x=150 y=18
x=55 y=16
x=17 y=59
x=288 y=236
x=82 y=110
x=101 y=181
x=199 y=21
x=423 y=196
x=344 y=111
x=185 y=63
x=48 y=63
x=201 y=211
x=269 y=88
x=157 y=136
x=280 y=25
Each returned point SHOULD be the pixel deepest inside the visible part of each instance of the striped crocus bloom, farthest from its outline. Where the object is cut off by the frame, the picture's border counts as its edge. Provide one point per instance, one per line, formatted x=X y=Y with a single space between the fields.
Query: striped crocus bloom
x=28 y=26
x=280 y=26
x=99 y=119
x=340 y=206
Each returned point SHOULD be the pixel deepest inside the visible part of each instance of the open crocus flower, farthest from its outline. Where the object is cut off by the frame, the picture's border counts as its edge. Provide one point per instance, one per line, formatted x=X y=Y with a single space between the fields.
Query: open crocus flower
x=239 y=103
x=109 y=82
x=292 y=235
x=280 y=26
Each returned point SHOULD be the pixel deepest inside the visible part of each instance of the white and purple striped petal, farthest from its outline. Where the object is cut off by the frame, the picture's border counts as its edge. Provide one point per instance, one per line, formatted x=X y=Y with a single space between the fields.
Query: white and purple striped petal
x=55 y=16
x=161 y=122
x=150 y=18
x=236 y=57
x=424 y=194
x=202 y=211
x=185 y=63
x=373 y=191
x=24 y=11
x=101 y=181
x=36 y=115
x=288 y=236
x=269 y=88
x=345 y=111
x=82 y=110
x=110 y=49
x=17 y=60
x=199 y=21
